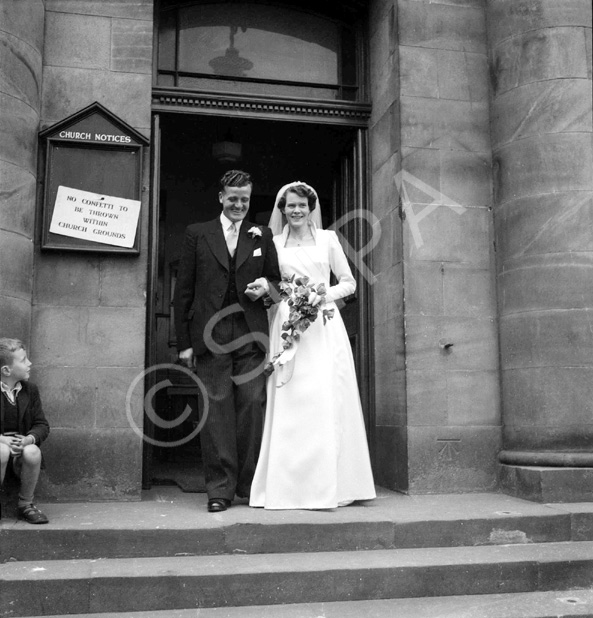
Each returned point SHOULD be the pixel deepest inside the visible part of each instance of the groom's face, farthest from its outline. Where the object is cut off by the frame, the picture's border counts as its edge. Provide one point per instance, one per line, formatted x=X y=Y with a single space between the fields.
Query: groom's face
x=235 y=202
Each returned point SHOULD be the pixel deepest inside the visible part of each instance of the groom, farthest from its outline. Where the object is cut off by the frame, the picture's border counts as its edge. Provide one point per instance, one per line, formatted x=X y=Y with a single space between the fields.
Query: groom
x=226 y=268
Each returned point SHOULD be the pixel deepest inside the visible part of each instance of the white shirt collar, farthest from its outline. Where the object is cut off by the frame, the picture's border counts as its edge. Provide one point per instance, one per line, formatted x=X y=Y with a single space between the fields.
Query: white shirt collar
x=11 y=393
x=226 y=223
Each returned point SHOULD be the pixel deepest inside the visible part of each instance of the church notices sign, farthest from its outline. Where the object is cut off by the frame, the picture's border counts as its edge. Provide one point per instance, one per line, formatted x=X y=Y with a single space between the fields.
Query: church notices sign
x=92 y=184
x=95 y=217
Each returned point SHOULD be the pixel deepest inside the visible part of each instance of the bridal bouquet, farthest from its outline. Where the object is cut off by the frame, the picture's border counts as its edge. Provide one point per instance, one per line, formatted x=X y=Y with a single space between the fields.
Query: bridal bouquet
x=299 y=294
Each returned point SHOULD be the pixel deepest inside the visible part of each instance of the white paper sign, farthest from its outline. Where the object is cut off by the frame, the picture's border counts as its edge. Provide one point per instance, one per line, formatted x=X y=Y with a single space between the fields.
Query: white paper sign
x=96 y=217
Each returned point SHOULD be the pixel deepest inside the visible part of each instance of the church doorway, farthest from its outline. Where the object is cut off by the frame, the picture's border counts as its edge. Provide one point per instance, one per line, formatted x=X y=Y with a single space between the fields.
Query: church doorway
x=192 y=151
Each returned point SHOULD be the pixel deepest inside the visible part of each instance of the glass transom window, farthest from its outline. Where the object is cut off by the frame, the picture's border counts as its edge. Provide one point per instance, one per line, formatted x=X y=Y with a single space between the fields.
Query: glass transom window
x=256 y=43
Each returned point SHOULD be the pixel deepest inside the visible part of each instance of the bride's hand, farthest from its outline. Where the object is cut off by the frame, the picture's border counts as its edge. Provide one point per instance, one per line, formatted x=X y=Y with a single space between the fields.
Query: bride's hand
x=314 y=299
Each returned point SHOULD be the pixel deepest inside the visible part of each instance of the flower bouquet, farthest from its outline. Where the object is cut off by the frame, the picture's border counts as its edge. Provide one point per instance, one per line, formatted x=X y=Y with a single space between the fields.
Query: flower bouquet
x=305 y=301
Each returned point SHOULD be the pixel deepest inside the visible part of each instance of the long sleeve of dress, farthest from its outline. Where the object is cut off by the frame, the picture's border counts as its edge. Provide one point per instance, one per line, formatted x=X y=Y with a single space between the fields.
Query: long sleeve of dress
x=339 y=265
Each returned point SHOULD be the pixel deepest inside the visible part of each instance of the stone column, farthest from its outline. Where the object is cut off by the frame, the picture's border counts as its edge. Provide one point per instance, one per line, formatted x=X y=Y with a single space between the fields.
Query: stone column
x=540 y=55
x=21 y=43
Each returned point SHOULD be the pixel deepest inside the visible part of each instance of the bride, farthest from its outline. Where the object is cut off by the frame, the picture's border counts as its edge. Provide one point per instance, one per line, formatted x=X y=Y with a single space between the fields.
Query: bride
x=314 y=453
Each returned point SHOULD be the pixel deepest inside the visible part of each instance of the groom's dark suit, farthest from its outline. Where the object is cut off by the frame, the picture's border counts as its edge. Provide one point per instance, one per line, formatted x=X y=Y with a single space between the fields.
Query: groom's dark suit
x=210 y=284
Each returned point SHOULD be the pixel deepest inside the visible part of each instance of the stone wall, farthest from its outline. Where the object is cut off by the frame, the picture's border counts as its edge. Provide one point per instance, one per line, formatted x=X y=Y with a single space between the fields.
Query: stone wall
x=21 y=48
x=88 y=322
x=541 y=131
x=435 y=311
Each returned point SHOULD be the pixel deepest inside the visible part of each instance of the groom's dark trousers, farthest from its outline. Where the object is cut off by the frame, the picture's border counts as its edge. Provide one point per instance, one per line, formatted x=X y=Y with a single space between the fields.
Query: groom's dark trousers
x=231 y=437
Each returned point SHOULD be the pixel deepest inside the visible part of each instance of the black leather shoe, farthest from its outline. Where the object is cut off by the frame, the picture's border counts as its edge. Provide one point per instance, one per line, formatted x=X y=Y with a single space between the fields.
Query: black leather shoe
x=215 y=505
x=32 y=514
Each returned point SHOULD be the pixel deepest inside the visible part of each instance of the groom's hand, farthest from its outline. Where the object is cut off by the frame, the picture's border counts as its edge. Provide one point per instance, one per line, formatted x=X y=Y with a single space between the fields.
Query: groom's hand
x=256 y=289
x=187 y=357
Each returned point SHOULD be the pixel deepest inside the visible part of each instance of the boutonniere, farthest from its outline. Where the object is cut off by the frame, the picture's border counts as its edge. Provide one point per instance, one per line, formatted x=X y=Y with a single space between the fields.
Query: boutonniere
x=254 y=231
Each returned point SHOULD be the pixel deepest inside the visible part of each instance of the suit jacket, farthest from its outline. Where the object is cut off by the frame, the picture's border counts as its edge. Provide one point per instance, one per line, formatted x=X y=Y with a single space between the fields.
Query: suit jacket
x=203 y=279
x=31 y=419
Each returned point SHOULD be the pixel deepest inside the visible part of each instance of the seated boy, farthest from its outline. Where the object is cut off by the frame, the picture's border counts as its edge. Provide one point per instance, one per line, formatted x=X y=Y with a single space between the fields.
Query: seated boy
x=23 y=426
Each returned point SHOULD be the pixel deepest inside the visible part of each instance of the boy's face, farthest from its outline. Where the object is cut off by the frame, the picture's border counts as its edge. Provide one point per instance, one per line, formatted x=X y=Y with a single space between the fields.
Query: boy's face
x=20 y=368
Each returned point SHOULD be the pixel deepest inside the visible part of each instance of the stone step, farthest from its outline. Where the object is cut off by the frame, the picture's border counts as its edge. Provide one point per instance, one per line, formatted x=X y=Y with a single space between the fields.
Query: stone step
x=146 y=584
x=169 y=523
x=563 y=604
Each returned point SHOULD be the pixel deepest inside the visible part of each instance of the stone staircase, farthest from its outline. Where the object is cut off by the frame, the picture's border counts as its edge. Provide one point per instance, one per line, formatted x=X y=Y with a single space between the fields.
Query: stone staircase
x=476 y=555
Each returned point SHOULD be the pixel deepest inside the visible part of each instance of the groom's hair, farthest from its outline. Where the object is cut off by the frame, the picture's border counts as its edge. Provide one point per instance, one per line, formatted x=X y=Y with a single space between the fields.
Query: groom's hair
x=235 y=178
x=302 y=191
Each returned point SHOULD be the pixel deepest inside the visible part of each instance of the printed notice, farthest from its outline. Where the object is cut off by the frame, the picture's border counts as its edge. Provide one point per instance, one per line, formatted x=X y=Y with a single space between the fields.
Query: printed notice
x=96 y=217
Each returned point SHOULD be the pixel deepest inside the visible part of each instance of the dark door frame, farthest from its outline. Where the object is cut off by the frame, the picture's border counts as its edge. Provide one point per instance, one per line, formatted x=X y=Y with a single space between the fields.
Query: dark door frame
x=204 y=104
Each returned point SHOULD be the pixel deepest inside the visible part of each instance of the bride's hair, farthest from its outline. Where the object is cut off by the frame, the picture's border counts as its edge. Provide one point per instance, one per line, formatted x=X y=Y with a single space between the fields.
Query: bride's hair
x=302 y=191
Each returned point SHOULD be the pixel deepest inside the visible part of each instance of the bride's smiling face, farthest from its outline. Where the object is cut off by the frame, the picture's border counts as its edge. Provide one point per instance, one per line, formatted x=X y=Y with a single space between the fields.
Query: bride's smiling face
x=296 y=211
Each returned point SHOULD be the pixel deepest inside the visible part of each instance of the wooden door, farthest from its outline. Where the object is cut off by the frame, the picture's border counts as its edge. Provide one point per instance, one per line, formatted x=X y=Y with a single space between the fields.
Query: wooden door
x=353 y=226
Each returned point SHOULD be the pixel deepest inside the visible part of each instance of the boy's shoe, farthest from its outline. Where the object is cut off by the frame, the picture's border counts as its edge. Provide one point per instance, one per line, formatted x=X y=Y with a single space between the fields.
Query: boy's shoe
x=31 y=514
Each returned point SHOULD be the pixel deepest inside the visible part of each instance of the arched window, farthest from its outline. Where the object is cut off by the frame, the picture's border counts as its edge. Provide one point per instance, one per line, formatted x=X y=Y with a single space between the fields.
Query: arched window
x=258 y=48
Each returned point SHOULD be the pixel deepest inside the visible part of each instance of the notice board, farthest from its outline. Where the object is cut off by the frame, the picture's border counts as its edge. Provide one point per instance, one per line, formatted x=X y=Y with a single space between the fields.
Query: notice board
x=92 y=184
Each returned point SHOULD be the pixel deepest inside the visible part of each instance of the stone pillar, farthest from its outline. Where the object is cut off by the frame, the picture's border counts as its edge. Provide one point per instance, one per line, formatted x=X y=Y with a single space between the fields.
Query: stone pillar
x=21 y=43
x=540 y=54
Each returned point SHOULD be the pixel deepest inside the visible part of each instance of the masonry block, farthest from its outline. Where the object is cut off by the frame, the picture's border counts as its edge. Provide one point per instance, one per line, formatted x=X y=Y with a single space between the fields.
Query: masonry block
x=97 y=465
x=67 y=90
x=473 y=343
x=19 y=124
x=544 y=224
x=548 y=407
x=426 y=397
x=78 y=283
x=462 y=76
x=387 y=253
x=16 y=264
x=385 y=195
x=68 y=394
x=466 y=177
x=555 y=53
x=468 y=291
x=424 y=287
x=89 y=336
x=20 y=70
x=26 y=22
x=546 y=282
x=385 y=85
x=554 y=163
x=75 y=40
x=123 y=284
x=17 y=211
x=16 y=318
x=385 y=137
x=391 y=450
x=507 y=18
x=389 y=353
x=547 y=485
x=444 y=124
x=390 y=398
x=473 y=398
x=388 y=294
x=130 y=9
x=547 y=338
x=419 y=72
x=552 y=106
x=442 y=26
x=453 y=459
x=131 y=46
x=449 y=234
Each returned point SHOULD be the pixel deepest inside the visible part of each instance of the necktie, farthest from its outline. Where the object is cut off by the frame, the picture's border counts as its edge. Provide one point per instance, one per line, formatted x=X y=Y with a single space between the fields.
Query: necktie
x=231 y=239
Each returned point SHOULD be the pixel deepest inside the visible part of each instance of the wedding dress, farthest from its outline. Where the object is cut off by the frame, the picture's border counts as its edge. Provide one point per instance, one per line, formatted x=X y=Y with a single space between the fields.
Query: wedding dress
x=314 y=452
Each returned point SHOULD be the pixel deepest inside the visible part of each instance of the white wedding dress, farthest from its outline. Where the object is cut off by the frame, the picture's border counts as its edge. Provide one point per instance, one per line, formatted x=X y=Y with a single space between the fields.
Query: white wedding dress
x=314 y=452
